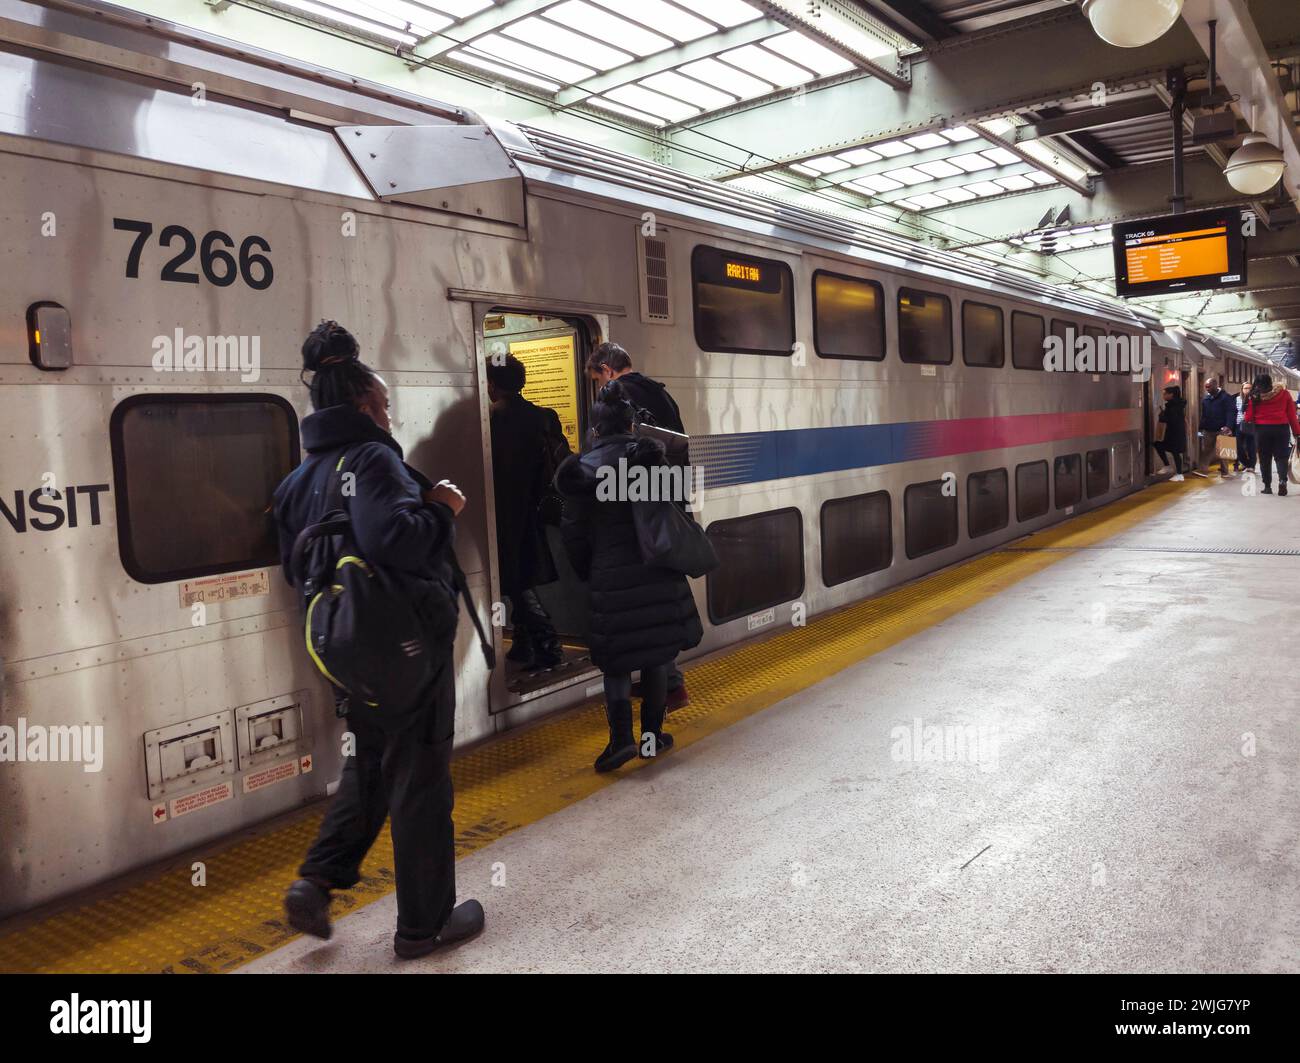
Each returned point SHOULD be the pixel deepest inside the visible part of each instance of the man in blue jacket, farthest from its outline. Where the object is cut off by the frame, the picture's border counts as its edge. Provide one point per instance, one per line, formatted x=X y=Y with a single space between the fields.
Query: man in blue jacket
x=1218 y=416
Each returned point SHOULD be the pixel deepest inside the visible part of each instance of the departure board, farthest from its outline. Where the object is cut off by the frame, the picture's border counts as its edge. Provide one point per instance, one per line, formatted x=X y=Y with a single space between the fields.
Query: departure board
x=1180 y=252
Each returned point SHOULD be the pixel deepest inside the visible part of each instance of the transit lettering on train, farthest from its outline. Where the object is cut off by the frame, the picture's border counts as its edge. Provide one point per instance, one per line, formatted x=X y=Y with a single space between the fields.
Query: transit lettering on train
x=217 y=263
x=22 y=515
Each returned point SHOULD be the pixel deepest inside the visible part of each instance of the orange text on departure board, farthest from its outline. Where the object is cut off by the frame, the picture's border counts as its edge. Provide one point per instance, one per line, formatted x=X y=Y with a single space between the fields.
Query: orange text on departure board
x=1194 y=254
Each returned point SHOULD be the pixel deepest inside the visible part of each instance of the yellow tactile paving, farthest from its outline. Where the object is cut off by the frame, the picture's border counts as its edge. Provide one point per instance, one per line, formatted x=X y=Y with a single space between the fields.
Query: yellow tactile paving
x=166 y=924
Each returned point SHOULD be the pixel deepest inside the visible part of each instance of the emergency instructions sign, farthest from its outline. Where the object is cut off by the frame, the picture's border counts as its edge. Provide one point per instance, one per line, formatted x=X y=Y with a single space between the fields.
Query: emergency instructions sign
x=552 y=380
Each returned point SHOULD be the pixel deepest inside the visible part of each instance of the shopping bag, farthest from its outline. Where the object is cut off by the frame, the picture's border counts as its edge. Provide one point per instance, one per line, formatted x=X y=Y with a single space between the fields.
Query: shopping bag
x=1225 y=448
x=1161 y=428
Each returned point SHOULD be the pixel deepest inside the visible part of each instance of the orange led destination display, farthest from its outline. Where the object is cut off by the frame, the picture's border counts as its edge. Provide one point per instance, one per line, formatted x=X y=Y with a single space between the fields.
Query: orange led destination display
x=1180 y=252
x=740 y=271
x=1175 y=255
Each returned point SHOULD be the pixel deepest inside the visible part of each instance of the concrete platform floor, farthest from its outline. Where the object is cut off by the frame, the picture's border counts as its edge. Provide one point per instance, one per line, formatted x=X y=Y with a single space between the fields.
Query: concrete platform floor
x=1131 y=804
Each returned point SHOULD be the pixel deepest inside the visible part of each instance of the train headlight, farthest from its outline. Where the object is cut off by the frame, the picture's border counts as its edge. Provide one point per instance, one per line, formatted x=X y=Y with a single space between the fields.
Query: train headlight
x=49 y=336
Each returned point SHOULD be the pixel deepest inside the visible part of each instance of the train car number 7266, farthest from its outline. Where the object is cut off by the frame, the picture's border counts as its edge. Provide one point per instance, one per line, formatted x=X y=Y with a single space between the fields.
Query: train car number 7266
x=219 y=266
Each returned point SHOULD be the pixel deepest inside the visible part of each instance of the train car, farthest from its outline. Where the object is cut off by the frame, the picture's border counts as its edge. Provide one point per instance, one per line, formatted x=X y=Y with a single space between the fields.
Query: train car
x=863 y=410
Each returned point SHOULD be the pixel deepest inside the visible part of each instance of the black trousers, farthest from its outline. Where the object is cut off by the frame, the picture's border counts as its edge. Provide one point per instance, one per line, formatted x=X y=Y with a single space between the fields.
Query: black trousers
x=654 y=693
x=1246 y=449
x=1165 y=453
x=530 y=621
x=1274 y=443
x=405 y=773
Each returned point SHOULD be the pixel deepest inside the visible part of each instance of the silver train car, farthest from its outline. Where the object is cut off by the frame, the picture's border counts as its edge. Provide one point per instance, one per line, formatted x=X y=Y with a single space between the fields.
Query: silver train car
x=864 y=410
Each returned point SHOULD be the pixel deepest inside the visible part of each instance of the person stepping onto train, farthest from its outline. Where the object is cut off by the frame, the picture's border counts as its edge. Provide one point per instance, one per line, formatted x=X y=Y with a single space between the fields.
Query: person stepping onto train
x=641 y=617
x=1246 y=459
x=1272 y=414
x=1218 y=417
x=527 y=448
x=1173 y=415
x=610 y=361
x=402 y=524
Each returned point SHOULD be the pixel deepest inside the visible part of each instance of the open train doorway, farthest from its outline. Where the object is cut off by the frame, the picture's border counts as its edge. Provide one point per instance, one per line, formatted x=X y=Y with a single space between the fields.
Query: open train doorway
x=543 y=634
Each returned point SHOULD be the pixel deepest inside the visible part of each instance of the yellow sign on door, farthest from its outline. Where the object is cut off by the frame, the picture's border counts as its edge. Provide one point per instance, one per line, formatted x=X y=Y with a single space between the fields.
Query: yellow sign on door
x=552 y=379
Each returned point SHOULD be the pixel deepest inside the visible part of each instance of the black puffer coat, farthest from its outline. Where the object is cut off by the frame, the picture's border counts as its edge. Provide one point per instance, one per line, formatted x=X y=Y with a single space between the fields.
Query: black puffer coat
x=640 y=616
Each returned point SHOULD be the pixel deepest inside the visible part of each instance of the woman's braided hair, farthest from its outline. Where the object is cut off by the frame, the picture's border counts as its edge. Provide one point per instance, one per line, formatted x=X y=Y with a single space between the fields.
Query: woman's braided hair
x=339 y=377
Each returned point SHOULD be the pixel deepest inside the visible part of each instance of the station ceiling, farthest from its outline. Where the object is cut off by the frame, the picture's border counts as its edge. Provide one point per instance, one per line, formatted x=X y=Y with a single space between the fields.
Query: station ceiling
x=1005 y=129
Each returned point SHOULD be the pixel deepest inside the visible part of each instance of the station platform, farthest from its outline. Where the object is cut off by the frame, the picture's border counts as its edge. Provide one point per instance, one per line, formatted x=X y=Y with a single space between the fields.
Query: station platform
x=1076 y=753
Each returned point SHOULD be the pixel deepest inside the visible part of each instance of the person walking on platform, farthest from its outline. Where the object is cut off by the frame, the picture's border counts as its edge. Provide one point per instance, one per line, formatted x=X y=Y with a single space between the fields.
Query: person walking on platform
x=527 y=447
x=1245 y=432
x=401 y=767
x=609 y=362
x=1173 y=415
x=641 y=617
x=1218 y=417
x=1272 y=413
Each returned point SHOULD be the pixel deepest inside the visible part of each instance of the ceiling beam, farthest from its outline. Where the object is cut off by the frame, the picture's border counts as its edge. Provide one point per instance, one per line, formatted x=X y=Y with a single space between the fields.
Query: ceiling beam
x=913 y=19
x=1093 y=118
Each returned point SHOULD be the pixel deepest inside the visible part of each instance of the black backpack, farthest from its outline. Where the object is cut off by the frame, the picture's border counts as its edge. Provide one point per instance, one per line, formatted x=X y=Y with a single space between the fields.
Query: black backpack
x=377 y=645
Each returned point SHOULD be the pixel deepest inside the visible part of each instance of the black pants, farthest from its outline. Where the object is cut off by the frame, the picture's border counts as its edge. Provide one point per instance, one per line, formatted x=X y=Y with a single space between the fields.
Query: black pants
x=404 y=773
x=1274 y=444
x=530 y=622
x=654 y=693
x=1246 y=456
x=1164 y=455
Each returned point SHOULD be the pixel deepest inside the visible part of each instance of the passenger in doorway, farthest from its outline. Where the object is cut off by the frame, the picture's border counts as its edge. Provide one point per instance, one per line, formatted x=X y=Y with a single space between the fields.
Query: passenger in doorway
x=401 y=770
x=609 y=362
x=527 y=448
x=1272 y=413
x=1218 y=417
x=641 y=617
x=1246 y=458
x=1173 y=415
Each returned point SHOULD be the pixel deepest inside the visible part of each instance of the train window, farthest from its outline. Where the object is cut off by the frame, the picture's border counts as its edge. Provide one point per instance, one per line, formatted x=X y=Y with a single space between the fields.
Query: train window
x=1027 y=335
x=743 y=305
x=1067 y=472
x=986 y=502
x=194 y=475
x=929 y=517
x=761 y=563
x=924 y=327
x=982 y=342
x=1031 y=490
x=1098 y=481
x=857 y=537
x=848 y=317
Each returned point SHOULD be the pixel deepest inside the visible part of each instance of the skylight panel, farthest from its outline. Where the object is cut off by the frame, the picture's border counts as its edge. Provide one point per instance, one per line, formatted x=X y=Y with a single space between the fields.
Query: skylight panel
x=766 y=65
x=1000 y=156
x=970 y=163
x=910 y=204
x=532 y=59
x=562 y=41
x=727 y=78
x=627 y=112
x=955 y=195
x=980 y=189
x=599 y=23
x=938 y=168
x=461 y=8
x=730 y=12
x=376 y=25
x=908 y=175
x=1015 y=183
x=464 y=55
x=1040 y=178
x=688 y=89
x=1042 y=152
x=807 y=52
x=859 y=156
x=807 y=171
x=928 y=201
x=826 y=164
x=652 y=102
x=400 y=13
x=877 y=182
x=960 y=134
x=665 y=18
x=893 y=148
x=927 y=140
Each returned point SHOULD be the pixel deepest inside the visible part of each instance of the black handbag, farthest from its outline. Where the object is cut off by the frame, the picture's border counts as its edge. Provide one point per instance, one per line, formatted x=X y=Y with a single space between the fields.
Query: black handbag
x=669 y=539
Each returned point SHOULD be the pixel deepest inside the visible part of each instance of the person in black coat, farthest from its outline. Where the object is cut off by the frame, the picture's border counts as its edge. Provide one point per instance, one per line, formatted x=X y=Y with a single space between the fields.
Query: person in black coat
x=1173 y=416
x=527 y=447
x=641 y=617
x=402 y=769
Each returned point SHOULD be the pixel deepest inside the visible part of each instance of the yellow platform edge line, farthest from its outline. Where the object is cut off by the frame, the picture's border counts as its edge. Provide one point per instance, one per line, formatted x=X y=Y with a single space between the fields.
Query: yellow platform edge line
x=165 y=923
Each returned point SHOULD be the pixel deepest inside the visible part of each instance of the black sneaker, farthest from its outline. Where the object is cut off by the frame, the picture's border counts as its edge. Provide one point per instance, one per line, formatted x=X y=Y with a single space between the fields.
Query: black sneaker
x=613 y=757
x=663 y=743
x=308 y=907
x=466 y=921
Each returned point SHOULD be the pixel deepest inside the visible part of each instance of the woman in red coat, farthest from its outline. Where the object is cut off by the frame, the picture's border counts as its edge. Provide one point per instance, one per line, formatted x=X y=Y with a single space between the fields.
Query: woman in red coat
x=1272 y=412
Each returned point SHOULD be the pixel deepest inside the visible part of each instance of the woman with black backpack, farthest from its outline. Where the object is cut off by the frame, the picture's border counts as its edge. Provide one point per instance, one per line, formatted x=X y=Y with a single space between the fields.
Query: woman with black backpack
x=641 y=616
x=401 y=524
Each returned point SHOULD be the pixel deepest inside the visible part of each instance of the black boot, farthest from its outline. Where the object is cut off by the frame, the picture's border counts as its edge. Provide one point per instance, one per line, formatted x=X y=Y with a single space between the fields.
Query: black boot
x=1281 y=487
x=654 y=739
x=307 y=904
x=548 y=653
x=622 y=747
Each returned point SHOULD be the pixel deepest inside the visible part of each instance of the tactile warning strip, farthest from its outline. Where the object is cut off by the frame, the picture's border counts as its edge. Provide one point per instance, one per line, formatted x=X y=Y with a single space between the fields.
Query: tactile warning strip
x=165 y=923
x=1270 y=551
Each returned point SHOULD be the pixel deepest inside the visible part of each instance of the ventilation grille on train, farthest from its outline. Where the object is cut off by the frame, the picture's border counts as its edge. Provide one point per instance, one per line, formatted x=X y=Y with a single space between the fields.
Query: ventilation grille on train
x=652 y=262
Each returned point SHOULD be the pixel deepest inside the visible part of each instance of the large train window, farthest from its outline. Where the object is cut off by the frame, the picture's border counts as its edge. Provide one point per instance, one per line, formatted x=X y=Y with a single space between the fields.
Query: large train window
x=924 y=327
x=1027 y=334
x=857 y=537
x=1098 y=481
x=1067 y=332
x=194 y=475
x=761 y=563
x=1031 y=490
x=981 y=335
x=848 y=317
x=929 y=517
x=743 y=305
x=986 y=502
x=1067 y=472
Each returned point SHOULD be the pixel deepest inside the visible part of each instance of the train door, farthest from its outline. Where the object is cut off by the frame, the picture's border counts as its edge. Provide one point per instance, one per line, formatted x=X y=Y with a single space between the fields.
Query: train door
x=553 y=349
